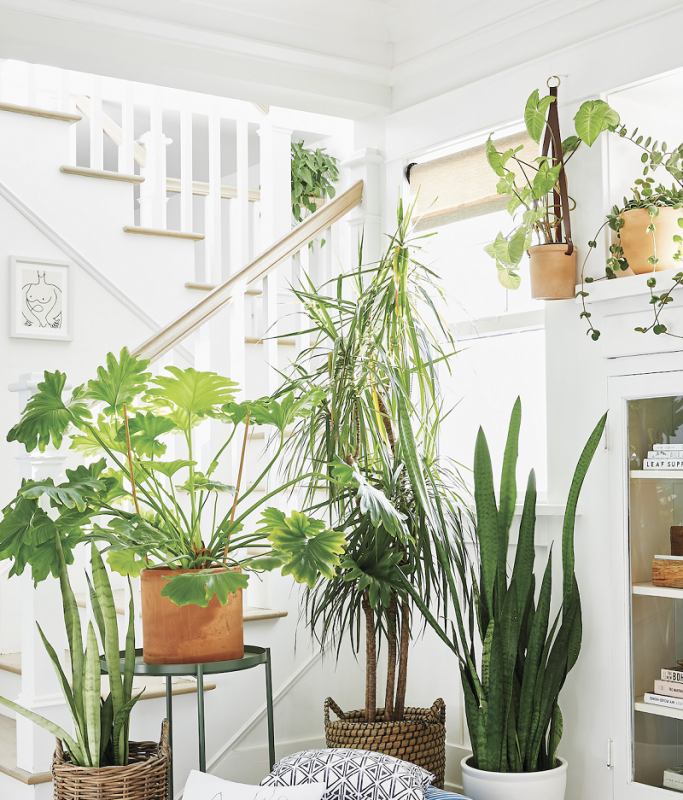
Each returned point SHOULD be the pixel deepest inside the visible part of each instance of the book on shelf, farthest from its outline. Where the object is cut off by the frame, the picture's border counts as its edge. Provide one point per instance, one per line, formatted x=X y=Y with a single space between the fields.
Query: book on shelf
x=673 y=779
x=669 y=688
x=665 y=454
x=663 y=700
x=663 y=463
x=672 y=675
x=670 y=446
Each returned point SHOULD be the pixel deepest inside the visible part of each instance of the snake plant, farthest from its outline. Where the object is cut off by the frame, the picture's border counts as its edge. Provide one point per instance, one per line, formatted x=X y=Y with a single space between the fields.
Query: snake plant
x=513 y=660
x=101 y=726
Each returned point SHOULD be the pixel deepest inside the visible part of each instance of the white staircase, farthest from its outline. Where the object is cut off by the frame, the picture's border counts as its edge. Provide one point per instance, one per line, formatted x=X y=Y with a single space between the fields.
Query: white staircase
x=151 y=230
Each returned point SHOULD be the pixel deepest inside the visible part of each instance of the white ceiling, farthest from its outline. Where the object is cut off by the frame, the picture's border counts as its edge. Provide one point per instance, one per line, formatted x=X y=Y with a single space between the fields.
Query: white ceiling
x=351 y=58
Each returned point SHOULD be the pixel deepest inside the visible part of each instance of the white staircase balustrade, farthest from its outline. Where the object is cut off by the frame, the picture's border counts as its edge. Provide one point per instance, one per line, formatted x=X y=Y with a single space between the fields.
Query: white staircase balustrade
x=153 y=190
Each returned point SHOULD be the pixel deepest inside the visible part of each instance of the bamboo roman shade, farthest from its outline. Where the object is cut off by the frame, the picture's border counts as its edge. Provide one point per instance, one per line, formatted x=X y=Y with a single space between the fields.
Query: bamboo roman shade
x=462 y=185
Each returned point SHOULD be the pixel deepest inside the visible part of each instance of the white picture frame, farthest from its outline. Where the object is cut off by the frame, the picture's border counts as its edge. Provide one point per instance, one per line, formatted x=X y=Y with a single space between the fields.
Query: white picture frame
x=40 y=299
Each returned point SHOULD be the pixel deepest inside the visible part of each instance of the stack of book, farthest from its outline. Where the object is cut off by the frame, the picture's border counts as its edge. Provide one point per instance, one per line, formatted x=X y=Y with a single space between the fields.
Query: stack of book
x=673 y=779
x=664 y=456
x=668 y=691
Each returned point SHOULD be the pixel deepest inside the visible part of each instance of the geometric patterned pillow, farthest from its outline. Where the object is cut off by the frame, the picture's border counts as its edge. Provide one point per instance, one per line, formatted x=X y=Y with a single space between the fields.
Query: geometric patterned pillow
x=352 y=775
x=432 y=793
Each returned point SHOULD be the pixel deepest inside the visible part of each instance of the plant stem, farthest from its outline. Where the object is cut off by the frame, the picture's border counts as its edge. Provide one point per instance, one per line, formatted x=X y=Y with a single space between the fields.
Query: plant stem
x=403 y=663
x=391 y=659
x=370 y=660
x=130 y=460
x=239 y=482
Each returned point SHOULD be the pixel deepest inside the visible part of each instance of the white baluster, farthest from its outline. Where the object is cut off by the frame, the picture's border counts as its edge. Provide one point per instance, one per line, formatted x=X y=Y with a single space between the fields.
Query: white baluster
x=127 y=146
x=186 y=196
x=240 y=233
x=213 y=270
x=64 y=104
x=40 y=690
x=153 y=190
x=96 y=135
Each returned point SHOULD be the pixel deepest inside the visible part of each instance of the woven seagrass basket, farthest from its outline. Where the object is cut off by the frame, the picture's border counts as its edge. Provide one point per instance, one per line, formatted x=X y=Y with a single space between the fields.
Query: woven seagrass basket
x=145 y=777
x=420 y=737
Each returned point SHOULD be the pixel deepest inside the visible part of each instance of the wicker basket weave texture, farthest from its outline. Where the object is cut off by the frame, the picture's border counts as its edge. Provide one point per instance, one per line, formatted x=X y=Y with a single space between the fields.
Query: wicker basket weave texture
x=419 y=738
x=145 y=777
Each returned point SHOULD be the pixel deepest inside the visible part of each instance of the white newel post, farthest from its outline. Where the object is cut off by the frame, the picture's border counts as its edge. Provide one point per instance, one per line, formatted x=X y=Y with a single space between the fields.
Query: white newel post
x=365 y=221
x=153 y=188
x=40 y=690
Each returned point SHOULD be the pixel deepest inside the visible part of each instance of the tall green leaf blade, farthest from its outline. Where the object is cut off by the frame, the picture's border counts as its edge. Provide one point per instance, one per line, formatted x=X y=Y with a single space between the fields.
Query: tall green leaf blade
x=96 y=609
x=118 y=735
x=556 y=730
x=92 y=696
x=487 y=518
x=74 y=750
x=570 y=513
x=129 y=661
x=539 y=630
x=111 y=630
x=523 y=569
x=106 y=722
x=508 y=494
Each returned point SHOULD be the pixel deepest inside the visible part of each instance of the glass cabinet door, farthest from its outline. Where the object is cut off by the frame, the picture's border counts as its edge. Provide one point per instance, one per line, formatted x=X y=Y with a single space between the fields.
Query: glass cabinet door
x=654 y=495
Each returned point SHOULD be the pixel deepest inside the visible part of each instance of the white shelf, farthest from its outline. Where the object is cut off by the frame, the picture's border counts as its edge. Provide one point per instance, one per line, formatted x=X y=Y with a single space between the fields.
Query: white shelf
x=658 y=474
x=659 y=711
x=647 y=588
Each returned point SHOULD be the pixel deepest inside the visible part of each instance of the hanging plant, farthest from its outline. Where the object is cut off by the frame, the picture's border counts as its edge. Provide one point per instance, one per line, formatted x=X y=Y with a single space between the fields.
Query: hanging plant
x=313 y=173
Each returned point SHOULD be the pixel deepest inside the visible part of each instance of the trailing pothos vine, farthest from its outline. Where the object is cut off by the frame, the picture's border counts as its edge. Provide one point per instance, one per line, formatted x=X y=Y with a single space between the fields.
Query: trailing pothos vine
x=646 y=196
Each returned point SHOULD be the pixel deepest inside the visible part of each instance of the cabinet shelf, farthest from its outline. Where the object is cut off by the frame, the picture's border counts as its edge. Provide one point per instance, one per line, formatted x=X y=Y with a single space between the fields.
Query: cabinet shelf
x=658 y=474
x=659 y=711
x=647 y=588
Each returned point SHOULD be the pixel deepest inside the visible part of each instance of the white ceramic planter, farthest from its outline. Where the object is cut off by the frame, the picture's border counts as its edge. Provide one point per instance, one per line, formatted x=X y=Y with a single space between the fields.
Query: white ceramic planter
x=478 y=784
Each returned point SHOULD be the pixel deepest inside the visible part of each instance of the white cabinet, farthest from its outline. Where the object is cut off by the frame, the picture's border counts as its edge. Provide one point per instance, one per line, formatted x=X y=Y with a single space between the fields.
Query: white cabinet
x=647 y=621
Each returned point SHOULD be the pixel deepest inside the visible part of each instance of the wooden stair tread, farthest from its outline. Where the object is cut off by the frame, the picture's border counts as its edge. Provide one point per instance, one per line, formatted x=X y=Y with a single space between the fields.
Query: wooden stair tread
x=8 y=756
x=11 y=662
x=41 y=112
x=209 y=287
x=87 y=172
x=281 y=342
x=197 y=237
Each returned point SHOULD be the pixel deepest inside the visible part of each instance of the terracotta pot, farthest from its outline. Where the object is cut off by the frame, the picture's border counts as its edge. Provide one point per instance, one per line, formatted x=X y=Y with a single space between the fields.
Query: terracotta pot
x=188 y=634
x=552 y=271
x=479 y=784
x=639 y=245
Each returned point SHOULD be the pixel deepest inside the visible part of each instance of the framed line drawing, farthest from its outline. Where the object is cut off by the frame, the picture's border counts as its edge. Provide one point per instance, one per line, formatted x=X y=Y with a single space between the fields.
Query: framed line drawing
x=40 y=299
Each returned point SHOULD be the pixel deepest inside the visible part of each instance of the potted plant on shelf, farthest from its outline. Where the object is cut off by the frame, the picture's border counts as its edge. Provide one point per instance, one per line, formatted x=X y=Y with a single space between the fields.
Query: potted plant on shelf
x=100 y=761
x=377 y=342
x=313 y=173
x=539 y=203
x=159 y=517
x=513 y=660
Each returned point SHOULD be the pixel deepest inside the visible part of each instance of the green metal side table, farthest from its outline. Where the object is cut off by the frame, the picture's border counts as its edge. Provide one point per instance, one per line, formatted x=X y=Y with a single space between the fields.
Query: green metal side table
x=253 y=656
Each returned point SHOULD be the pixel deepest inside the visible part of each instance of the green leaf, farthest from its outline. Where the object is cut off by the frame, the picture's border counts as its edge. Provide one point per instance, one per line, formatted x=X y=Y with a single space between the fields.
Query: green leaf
x=92 y=692
x=545 y=179
x=372 y=501
x=594 y=117
x=189 y=396
x=308 y=545
x=125 y=562
x=47 y=417
x=198 y=588
x=121 y=382
x=145 y=430
x=487 y=518
x=508 y=278
x=71 y=495
x=535 y=114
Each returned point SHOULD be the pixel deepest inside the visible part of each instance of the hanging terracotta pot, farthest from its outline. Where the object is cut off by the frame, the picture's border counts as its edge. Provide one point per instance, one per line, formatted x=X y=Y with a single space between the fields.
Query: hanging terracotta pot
x=188 y=634
x=552 y=272
x=639 y=245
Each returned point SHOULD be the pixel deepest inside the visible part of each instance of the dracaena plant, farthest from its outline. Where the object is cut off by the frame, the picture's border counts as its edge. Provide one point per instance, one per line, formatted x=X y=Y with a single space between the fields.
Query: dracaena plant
x=531 y=182
x=101 y=727
x=154 y=510
x=378 y=344
x=513 y=657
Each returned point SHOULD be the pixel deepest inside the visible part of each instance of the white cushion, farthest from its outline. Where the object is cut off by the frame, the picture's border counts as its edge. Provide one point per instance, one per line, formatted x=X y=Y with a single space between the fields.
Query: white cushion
x=352 y=774
x=201 y=786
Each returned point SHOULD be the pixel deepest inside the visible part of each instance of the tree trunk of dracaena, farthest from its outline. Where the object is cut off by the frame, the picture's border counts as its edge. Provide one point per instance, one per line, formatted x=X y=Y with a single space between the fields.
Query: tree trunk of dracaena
x=370 y=660
x=402 y=663
x=391 y=660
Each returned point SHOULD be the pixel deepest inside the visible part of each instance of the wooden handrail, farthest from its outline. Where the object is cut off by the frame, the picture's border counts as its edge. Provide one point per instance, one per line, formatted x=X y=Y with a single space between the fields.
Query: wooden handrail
x=175 y=332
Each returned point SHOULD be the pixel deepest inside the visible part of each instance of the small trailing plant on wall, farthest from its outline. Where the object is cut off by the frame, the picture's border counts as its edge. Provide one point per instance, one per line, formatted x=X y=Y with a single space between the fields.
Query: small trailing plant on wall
x=658 y=242
x=313 y=173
